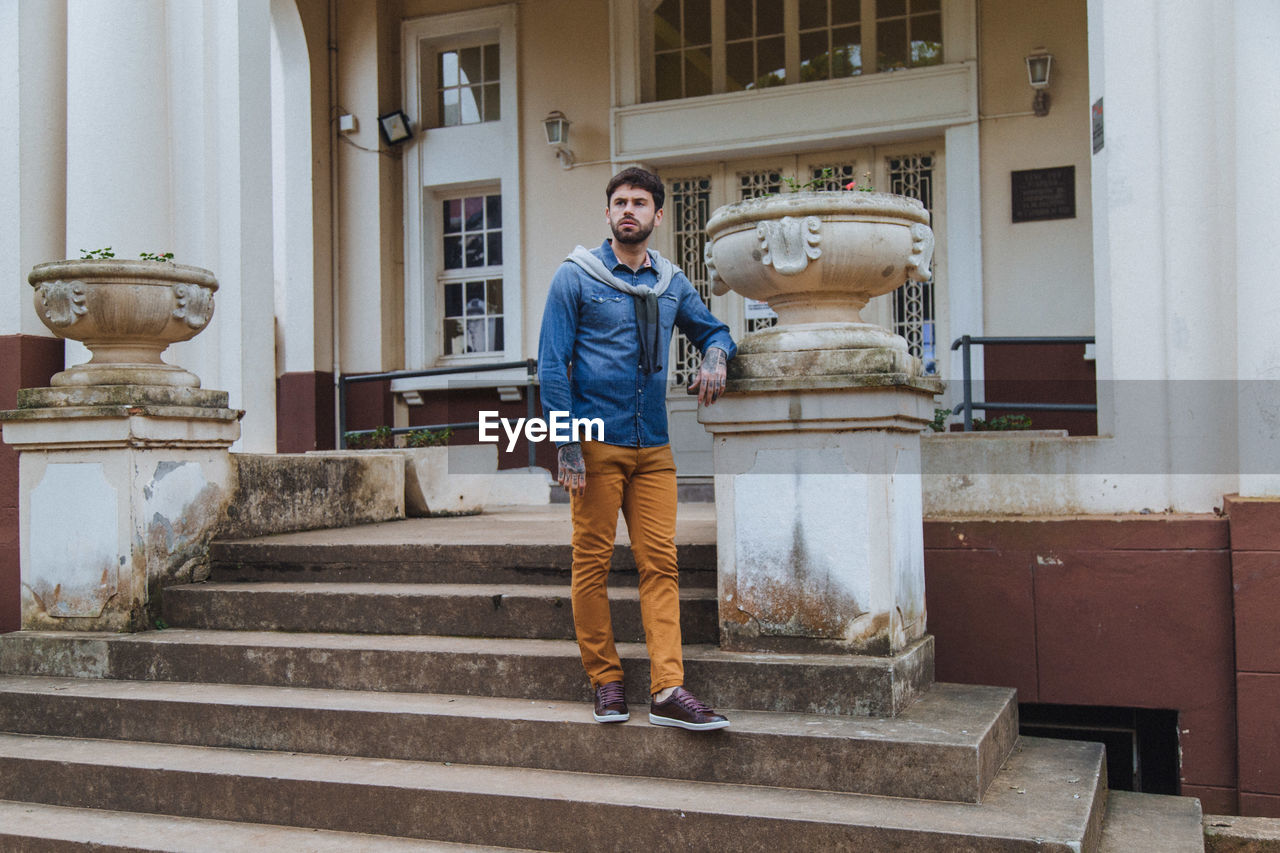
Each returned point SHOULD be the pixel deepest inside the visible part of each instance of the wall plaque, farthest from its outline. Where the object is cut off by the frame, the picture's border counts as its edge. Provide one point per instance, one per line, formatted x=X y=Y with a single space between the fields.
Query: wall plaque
x=1040 y=194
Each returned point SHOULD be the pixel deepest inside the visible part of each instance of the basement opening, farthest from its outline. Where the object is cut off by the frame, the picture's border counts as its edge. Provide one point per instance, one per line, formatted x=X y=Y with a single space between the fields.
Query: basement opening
x=1142 y=743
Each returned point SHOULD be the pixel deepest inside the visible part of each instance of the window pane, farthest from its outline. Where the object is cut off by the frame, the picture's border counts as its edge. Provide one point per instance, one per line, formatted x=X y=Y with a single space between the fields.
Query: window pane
x=492 y=102
x=470 y=104
x=813 y=13
x=493 y=290
x=769 y=17
x=448 y=68
x=450 y=115
x=888 y=8
x=666 y=72
x=739 y=62
x=452 y=215
x=452 y=253
x=697 y=22
x=475 y=298
x=737 y=20
x=452 y=334
x=815 y=64
x=846 y=52
x=475 y=251
x=492 y=59
x=453 y=300
x=494 y=241
x=772 y=61
x=474 y=207
x=493 y=211
x=469 y=67
x=925 y=6
x=926 y=40
x=475 y=335
x=697 y=73
x=891 y=38
x=496 y=341
x=666 y=26
x=845 y=11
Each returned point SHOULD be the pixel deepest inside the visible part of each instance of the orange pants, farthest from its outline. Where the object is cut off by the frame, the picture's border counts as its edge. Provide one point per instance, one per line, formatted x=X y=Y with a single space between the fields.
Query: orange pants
x=642 y=482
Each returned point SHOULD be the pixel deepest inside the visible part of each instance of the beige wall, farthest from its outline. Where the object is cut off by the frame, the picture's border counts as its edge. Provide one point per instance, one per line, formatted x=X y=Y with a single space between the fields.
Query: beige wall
x=1038 y=276
x=562 y=208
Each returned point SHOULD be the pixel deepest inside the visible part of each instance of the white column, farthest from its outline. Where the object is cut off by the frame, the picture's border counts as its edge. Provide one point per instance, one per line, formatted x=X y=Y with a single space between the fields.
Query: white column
x=33 y=69
x=1257 y=177
x=1163 y=250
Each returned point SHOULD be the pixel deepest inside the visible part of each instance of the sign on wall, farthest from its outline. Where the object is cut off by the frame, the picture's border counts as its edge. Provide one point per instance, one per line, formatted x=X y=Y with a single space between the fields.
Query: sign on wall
x=1040 y=194
x=1097 y=126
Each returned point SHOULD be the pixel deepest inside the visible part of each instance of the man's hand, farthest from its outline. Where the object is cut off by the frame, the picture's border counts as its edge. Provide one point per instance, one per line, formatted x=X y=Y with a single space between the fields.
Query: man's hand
x=573 y=469
x=709 y=381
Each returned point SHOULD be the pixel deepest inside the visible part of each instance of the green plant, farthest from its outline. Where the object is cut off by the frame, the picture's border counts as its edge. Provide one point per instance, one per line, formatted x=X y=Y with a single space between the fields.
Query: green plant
x=428 y=438
x=380 y=439
x=96 y=254
x=939 y=423
x=156 y=256
x=1002 y=422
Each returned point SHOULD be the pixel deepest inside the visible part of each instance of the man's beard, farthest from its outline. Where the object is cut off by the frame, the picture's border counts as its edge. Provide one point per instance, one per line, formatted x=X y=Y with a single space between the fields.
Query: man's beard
x=638 y=236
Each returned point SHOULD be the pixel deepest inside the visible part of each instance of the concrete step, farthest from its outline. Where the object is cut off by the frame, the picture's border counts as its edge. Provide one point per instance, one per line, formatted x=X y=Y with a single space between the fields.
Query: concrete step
x=473 y=666
x=1150 y=822
x=1047 y=798
x=301 y=560
x=530 y=611
x=37 y=828
x=947 y=746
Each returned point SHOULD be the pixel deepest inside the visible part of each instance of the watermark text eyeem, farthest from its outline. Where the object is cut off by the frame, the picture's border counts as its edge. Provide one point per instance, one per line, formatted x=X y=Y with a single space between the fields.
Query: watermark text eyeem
x=561 y=427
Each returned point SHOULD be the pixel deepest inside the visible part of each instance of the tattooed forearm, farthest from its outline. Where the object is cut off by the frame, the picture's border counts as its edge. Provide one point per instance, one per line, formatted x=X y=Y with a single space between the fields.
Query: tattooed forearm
x=711 y=377
x=572 y=468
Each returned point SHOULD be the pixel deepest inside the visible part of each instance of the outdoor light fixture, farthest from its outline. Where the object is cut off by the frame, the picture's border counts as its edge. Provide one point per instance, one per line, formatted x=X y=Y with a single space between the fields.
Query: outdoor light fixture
x=557 y=127
x=1039 y=65
x=395 y=127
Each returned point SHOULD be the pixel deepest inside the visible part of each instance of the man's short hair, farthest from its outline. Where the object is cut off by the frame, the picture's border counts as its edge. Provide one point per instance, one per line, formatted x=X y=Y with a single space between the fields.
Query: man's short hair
x=640 y=179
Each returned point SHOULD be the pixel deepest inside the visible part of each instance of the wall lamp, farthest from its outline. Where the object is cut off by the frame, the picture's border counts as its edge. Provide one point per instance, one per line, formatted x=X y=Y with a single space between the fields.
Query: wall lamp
x=1039 y=64
x=557 y=127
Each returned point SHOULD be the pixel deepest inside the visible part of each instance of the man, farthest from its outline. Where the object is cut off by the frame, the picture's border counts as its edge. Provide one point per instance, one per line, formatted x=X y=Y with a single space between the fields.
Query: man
x=605 y=336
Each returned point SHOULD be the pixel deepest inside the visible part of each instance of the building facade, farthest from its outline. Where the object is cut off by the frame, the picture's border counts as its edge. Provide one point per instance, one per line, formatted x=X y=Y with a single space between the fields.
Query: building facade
x=1134 y=204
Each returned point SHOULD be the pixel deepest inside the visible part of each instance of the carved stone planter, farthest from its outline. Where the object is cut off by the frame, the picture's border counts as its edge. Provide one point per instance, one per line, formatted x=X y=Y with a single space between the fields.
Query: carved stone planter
x=817 y=258
x=127 y=313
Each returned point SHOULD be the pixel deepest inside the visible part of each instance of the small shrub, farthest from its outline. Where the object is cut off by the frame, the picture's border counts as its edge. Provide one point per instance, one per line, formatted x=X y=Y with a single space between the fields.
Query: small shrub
x=380 y=439
x=97 y=254
x=428 y=438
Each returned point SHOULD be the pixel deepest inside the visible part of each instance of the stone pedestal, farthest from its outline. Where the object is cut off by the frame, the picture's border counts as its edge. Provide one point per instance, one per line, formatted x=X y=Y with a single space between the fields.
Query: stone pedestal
x=819 y=521
x=121 y=487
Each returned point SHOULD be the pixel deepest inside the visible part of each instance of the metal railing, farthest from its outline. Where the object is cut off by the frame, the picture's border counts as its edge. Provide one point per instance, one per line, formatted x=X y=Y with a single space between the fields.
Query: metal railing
x=531 y=381
x=968 y=404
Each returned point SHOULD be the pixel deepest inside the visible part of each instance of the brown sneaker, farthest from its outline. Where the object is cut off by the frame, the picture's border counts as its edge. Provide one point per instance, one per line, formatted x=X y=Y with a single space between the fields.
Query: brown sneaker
x=684 y=710
x=611 y=704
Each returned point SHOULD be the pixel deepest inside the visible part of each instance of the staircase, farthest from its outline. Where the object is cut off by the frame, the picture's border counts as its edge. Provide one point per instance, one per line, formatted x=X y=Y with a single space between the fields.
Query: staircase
x=415 y=686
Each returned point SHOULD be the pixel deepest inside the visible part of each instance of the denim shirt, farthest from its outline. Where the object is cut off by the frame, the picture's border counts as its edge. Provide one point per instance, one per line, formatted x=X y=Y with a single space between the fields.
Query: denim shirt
x=589 y=352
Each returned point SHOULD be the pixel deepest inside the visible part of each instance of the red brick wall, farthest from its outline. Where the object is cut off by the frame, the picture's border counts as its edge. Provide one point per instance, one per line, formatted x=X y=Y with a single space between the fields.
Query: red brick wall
x=26 y=361
x=1131 y=611
x=1255 y=557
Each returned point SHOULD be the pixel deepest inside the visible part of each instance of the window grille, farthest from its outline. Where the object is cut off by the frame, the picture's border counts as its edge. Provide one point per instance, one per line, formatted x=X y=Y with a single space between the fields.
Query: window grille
x=682 y=49
x=468 y=90
x=471 y=274
x=751 y=185
x=913 y=306
x=690 y=200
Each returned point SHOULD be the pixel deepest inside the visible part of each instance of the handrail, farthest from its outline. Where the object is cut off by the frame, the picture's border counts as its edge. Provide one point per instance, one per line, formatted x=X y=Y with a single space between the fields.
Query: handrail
x=531 y=380
x=968 y=404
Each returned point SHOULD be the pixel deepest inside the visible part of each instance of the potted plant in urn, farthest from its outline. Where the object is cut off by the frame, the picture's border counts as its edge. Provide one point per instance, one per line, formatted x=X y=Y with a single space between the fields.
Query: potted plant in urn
x=817 y=257
x=126 y=312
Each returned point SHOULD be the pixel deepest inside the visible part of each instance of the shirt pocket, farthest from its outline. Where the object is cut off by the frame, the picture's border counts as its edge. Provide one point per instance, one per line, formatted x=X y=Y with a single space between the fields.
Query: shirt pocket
x=668 y=307
x=610 y=306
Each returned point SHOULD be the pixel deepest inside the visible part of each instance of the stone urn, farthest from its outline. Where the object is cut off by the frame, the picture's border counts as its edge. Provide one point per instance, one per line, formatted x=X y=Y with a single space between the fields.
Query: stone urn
x=127 y=313
x=817 y=258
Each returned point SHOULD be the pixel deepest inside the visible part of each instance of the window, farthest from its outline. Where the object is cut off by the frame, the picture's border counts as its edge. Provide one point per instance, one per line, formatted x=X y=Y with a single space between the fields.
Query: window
x=468 y=90
x=913 y=309
x=682 y=48
x=471 y=274
x=830 y=39
x=701 y=47
x=908 y=33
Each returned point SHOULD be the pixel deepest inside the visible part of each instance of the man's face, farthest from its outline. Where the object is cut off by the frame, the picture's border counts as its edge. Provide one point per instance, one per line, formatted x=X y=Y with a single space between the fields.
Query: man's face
x=631 y=215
